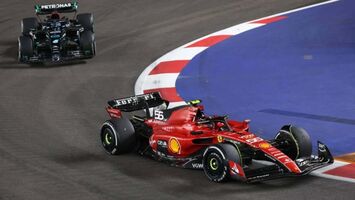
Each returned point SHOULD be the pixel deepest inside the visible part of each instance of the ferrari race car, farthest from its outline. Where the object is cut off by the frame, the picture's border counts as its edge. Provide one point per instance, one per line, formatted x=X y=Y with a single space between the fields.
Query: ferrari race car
x=56 y=38
x=185 y=137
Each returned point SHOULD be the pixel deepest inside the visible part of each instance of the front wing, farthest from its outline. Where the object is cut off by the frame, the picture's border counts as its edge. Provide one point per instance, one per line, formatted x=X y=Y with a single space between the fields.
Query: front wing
x=267 y=170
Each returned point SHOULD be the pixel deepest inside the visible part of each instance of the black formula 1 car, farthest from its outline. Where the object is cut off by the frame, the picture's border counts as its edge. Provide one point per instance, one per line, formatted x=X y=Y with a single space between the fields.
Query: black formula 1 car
x=185 y=137
x=56 y=38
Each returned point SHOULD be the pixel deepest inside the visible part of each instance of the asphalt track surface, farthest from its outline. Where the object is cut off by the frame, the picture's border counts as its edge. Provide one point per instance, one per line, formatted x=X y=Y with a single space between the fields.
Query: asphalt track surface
x=50 y=115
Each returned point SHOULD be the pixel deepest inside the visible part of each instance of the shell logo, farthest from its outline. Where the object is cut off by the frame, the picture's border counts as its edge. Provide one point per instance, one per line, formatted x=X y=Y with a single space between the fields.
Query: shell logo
x=174 y=145
x=264 y=145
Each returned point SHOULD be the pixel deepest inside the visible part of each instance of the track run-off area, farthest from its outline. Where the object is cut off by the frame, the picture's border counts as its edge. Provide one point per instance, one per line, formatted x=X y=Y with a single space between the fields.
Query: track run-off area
x=294 y=67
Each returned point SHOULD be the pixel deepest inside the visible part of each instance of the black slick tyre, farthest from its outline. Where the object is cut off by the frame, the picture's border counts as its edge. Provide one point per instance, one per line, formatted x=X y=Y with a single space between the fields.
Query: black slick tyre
x=88 y=44
x=294 y=141
x=27 y=24
x=25 y=48
x=215 y=161
x=118 y=136
x=86 y=20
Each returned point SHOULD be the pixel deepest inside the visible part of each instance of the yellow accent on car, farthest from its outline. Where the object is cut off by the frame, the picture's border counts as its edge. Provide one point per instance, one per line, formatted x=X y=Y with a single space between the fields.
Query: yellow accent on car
x=174 y=145
x=264 y=145
x=219 y=138
x=194 y=102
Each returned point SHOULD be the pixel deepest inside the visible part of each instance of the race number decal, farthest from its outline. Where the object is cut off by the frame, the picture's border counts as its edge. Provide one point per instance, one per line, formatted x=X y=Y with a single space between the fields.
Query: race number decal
x=158 y=115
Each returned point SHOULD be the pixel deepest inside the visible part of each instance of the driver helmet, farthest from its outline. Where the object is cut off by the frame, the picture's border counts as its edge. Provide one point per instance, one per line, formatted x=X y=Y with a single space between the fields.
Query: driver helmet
x=55 y=15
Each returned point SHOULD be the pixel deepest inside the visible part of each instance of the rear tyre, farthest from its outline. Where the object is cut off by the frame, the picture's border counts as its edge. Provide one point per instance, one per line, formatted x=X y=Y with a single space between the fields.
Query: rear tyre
x=25 y=48
x=215 y=161
x=27 y=24
x=86 y=20
x=118 y=136
x=88 y=43
x=294 y=141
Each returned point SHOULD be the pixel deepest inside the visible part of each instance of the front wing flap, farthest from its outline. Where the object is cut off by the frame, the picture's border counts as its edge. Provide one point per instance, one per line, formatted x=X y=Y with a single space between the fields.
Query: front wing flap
x=306 y=166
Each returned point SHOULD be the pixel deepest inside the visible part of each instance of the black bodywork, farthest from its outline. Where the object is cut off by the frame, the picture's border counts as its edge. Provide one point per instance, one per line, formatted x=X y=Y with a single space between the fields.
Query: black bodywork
x=56 y=38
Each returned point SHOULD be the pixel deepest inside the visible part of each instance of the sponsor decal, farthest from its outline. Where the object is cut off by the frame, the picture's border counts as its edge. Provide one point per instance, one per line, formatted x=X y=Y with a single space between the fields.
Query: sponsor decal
x=219 y=138
x=162 y=143
x=168 y=128
x=174 y=145
x=254 y=140
x=197 y=165
x=133 y=100
x=56 y=6
x=248 y=136
x=264 y=145
x=301 y=162
x=162 y=147
x=125 y=101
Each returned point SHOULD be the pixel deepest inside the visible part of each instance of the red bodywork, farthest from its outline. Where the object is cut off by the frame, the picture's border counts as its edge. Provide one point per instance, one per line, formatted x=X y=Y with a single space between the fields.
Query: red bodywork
x=184 y=136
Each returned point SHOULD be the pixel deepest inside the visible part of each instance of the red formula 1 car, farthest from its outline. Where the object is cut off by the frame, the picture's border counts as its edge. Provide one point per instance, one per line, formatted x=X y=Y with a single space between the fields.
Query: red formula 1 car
x=184 y=136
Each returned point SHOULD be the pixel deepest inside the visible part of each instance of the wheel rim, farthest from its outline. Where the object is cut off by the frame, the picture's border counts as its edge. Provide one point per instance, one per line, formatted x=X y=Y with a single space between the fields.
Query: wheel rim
x=214 y=164
x=108 y=138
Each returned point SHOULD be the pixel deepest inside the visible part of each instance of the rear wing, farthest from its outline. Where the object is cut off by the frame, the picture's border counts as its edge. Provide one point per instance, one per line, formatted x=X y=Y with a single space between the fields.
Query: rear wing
x=58 y=7
x=139 y=102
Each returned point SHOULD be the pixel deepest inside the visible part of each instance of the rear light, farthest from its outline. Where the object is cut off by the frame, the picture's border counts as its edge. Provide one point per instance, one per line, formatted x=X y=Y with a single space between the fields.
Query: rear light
x=114 y=113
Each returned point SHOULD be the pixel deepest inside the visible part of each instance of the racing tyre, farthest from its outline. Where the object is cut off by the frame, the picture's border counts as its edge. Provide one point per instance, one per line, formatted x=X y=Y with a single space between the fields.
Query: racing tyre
x=118 y=136
x=88 y=43
x=294 y=142
x=216 y=160
x=86 y=20
x=25 y=48
x=27 y=24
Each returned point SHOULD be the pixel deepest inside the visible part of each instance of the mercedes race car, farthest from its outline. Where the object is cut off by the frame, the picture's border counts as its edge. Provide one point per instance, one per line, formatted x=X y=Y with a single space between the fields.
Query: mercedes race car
x=56 y=38
x=186 y=137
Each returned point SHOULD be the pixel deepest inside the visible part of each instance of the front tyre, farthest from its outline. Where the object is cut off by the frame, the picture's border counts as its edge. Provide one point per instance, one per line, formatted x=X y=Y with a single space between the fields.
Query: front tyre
x=118 y=136
x=28 y=24
x=88 y=43
x=86 y=20
x=216 y=160
x=294 y=141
